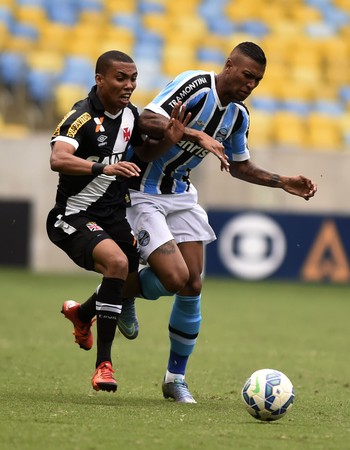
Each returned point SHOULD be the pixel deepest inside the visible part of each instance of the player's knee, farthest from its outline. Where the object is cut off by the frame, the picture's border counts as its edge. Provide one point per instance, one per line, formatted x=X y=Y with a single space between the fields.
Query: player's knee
x=176 y=281
x=197 y=287
x=116 y=266
x=194 y=285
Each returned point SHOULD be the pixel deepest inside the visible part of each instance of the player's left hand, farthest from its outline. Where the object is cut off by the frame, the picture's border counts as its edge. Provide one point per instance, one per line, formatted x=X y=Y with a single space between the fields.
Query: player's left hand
x=301 y=186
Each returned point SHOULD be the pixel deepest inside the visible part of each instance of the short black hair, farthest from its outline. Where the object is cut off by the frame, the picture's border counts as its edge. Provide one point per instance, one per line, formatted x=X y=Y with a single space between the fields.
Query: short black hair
x=104 y=61
x=253 y=51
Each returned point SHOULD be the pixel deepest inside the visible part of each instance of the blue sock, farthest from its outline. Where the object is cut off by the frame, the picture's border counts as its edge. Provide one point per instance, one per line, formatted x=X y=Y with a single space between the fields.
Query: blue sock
x=184 y=324
x=177 y=363
x=151 y=286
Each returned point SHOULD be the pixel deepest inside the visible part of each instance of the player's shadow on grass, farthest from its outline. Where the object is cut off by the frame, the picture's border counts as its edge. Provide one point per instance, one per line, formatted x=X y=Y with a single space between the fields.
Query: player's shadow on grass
x=93 y=399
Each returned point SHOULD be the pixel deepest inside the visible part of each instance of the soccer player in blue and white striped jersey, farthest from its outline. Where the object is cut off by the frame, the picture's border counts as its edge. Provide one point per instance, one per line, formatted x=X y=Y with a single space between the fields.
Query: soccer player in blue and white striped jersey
x=169 y=224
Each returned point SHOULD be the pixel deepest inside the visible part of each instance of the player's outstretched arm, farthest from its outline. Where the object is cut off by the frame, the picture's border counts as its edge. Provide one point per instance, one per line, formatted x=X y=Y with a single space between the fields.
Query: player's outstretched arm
x=158 y=127
x=295 y=185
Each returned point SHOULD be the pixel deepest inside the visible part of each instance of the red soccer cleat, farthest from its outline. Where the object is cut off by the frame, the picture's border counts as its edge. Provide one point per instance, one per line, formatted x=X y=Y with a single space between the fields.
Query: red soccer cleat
x=103 y=378
x=82 y=331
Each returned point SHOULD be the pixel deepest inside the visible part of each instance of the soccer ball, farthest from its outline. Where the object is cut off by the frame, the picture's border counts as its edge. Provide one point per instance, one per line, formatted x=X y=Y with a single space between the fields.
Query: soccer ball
x=268 y=394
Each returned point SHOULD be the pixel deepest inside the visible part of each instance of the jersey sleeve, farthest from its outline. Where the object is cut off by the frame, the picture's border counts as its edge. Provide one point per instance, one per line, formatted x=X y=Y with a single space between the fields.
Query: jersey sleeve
x=71 y=128
x=236 y=146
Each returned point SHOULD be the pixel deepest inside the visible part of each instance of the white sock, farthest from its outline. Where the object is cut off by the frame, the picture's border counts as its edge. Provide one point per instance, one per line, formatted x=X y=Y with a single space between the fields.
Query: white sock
x=170 y=377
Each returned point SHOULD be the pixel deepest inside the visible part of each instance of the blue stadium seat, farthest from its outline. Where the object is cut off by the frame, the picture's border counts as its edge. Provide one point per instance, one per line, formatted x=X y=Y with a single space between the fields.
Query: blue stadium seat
x=151 y=50
x=78 y=70
x=90 y=5
x=318 y=3
x=209 y=8
x=149 y=74
x=255 y=28
x=24 y=30
x=213 y=55
x=40 y=3
x=299 y=107
x=148 y=55
x=334 y=16
x=12 y=68
x=64 y=11
x=320 y=30
x=265 y=103
x=145 y=7
x=126 y=20
x=220 y=25
x=214 y=15
x=148 y=44
x=329 y=107
x=40 y=85
x=344 y=94
x=6 y=17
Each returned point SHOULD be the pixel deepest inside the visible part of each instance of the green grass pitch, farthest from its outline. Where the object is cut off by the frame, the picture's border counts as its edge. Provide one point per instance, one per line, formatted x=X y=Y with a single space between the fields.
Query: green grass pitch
x=47 y=403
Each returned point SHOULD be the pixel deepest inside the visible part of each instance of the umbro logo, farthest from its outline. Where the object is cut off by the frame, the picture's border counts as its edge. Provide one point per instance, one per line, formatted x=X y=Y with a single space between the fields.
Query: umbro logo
x=102 y=138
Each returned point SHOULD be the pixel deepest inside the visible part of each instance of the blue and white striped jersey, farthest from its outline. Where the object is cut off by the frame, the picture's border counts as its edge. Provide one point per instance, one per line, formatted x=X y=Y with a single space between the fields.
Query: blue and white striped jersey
x=170 y=174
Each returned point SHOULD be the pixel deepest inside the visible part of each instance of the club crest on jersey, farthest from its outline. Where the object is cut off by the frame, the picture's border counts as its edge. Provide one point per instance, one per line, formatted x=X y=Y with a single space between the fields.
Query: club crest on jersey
x=99 y=126
x=92 y=226
x=126 y=134
x=143 y=238
x=221 y=135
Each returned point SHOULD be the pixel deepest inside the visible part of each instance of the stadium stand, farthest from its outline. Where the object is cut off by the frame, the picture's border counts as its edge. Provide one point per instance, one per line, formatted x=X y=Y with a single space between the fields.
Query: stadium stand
x=48 y=51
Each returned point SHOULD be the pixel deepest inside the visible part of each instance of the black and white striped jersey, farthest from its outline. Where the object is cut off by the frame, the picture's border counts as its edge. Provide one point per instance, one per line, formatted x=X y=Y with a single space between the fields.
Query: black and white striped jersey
x=101 y=137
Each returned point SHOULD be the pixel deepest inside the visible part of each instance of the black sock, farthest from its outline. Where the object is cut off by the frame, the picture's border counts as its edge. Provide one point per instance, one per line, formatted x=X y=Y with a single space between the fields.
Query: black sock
x=108 y=308
x=104 y=352
x=87 y=310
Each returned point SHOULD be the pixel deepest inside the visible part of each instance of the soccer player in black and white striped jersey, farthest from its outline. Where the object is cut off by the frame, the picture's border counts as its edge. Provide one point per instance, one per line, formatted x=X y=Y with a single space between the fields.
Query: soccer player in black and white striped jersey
x=88 y=220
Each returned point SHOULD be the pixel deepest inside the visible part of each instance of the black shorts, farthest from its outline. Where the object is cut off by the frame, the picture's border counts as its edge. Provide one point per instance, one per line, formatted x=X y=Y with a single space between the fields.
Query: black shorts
x=78 y=238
